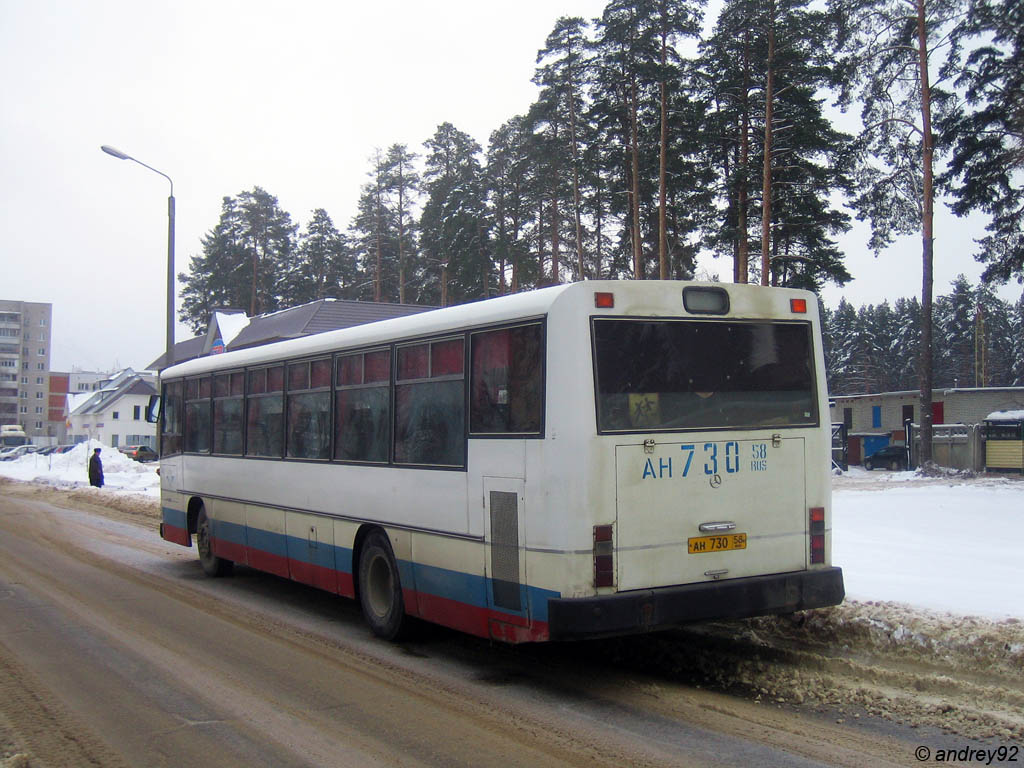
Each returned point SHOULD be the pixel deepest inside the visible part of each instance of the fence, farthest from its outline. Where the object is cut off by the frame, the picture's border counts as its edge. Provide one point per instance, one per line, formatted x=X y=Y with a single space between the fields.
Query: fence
x=958 y=446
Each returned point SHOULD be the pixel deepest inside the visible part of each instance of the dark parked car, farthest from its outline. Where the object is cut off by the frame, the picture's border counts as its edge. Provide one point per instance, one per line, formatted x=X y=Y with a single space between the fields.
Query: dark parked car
x=139 y=452
x=892 y=457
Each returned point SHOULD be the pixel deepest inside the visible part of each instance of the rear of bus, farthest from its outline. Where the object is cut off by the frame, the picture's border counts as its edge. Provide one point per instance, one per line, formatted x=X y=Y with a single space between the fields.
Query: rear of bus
x=702 y=440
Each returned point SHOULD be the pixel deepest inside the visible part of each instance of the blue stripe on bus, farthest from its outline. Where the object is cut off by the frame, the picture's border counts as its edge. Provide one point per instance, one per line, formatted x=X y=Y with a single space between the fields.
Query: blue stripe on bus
x=458 y=586
x=174 y=517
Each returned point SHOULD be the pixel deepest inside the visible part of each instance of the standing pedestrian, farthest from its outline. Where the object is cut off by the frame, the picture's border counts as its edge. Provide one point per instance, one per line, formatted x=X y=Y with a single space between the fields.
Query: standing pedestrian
x=96 y=469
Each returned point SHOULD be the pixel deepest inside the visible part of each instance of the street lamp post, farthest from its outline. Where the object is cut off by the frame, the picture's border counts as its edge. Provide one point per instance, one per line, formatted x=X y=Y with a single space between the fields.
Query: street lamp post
x=169 y=355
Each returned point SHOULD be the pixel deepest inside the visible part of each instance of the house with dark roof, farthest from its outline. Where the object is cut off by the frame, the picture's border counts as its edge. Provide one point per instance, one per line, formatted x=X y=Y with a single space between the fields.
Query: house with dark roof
x=115 y=413
x=230 y=329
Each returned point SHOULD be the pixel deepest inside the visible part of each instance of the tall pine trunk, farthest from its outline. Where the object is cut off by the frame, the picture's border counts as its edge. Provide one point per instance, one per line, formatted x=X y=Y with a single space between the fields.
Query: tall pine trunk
x=634 y=146
x=927 y=236
x=766 y=193
x=663 y=154
x=742 y=273
x=401 y=232
x=576 y=185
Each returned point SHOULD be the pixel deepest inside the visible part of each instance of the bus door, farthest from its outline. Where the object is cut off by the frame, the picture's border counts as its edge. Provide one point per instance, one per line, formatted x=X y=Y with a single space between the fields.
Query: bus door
x=505 y=553
x=709 y=509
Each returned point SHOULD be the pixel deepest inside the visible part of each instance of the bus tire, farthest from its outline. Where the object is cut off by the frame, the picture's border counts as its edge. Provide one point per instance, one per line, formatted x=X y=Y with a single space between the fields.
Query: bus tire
x=380 y=588
x=212 y=565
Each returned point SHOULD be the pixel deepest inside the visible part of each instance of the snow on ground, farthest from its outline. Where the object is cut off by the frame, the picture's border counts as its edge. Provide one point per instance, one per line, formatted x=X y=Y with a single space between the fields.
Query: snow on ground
x=945 y=544
x=949 y=544
x=71 y=470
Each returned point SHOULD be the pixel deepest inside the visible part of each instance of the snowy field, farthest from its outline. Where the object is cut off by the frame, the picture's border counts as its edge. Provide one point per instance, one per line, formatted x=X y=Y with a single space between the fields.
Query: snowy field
x=946 y=544
x=943 y=544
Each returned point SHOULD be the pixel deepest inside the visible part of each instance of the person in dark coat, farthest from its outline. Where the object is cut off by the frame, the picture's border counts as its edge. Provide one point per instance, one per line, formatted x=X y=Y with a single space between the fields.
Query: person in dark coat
x=96 y=469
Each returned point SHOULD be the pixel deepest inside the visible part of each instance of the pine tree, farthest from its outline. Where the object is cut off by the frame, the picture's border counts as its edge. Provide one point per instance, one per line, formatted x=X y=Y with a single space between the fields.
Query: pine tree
x=906 y=351
x=558 y=115
x=402 y=187
x=268 y=238
x=508 y=187
x=243 y=260
x=994 y=339
x=890 y=52
x=624 y=83
x=453 y=225
x=215 y=279
x=842 y=379
x=762 y=72
x=1015 y=376
x=323 y=266
x=986 y=133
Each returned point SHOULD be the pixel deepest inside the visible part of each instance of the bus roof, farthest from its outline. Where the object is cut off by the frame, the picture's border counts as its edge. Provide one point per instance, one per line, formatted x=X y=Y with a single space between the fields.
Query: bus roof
x=518 y=306
x=496 y=310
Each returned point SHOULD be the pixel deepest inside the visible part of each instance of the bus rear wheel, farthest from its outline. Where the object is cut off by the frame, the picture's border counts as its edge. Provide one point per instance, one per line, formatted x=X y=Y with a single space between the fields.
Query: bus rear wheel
x=212 y=565
x=380 y=588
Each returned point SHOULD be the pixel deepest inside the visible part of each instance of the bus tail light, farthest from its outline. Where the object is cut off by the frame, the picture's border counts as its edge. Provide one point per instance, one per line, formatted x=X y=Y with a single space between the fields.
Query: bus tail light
x=604 y=566
x=798 y=306
x=604 y=300
x=817 y=534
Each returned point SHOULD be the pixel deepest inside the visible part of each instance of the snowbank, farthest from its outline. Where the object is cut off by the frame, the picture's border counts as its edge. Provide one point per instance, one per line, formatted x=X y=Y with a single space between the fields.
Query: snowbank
x=71 y=470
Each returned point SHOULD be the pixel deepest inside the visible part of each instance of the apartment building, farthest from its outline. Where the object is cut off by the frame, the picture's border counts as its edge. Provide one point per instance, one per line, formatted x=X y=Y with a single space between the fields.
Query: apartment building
x=25 y=336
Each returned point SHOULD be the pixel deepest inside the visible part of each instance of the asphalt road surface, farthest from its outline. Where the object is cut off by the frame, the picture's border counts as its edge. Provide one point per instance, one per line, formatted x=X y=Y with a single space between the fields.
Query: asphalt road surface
x=116 y=650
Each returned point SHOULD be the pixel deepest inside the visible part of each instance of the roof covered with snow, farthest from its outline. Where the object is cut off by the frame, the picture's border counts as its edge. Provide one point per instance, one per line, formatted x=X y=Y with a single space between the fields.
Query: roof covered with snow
x=1005 y=416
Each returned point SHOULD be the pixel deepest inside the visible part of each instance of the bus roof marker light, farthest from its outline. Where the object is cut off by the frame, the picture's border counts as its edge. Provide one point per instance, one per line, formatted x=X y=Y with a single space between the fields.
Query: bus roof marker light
x=604 y=300
x=798 y=306
x=705 y=300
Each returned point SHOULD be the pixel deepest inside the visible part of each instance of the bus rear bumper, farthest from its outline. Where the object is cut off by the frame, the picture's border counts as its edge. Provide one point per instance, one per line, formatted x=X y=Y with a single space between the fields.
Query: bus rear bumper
x=649 y=610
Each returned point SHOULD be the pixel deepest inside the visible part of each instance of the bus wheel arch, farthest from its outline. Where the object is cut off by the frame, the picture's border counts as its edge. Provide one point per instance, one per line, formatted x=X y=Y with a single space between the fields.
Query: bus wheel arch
x=212 y=564
x=378 y=584
x=192 y=514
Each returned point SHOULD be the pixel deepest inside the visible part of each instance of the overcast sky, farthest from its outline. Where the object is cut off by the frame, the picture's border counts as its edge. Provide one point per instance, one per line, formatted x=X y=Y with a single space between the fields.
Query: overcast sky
x=224 y=96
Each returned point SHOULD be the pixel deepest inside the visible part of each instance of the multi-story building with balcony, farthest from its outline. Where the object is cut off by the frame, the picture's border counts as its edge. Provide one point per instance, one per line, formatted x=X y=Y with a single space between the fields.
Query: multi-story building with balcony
x=25 y=335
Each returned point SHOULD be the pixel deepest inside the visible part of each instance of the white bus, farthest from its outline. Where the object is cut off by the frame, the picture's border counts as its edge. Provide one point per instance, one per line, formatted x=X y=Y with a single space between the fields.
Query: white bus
x=588 y=459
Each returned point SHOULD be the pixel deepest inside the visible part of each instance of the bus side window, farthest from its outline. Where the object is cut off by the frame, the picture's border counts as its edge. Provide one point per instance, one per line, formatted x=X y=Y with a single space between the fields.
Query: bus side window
x=170 y=442
x=264 y=434
x=507 y=380
x=430 y=405
x=197 y=415
x=363 y=407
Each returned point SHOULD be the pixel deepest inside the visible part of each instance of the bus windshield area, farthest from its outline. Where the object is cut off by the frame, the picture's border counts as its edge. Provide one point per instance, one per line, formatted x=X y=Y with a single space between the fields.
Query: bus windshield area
x=702 y=374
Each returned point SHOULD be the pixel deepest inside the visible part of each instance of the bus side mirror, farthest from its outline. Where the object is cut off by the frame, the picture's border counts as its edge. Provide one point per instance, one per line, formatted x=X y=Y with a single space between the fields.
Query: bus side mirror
x=153 y=409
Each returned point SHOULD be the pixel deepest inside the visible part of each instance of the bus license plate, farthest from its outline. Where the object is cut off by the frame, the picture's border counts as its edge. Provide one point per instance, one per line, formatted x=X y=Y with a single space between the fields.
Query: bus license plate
x=702 y=544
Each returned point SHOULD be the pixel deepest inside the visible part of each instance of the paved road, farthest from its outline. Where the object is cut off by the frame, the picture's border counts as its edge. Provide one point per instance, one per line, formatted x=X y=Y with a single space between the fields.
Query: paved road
x=115 y=650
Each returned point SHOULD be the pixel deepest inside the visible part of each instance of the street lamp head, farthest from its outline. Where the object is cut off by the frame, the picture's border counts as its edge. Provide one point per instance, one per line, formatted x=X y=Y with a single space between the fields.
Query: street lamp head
x=115 y=152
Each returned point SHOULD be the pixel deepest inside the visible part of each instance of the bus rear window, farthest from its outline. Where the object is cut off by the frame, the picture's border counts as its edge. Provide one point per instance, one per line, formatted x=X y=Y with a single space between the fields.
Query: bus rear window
x=702 y=374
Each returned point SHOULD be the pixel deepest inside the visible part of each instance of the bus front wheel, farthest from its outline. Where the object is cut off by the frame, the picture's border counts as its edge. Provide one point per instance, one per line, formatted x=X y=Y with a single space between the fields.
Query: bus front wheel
x=212 y=565
x=380 y=588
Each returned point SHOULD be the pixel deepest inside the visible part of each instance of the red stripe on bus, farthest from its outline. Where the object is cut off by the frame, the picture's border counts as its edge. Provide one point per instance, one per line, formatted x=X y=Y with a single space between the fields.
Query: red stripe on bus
x=264 y=561
x=175 y=534
x=475 y=620
x=229 y=550
x=483 y=622
x=315 y=575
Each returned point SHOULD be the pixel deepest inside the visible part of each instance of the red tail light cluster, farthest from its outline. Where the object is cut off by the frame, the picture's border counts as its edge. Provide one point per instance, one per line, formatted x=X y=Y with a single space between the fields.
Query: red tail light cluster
x=817 y=534
x=604 y=566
